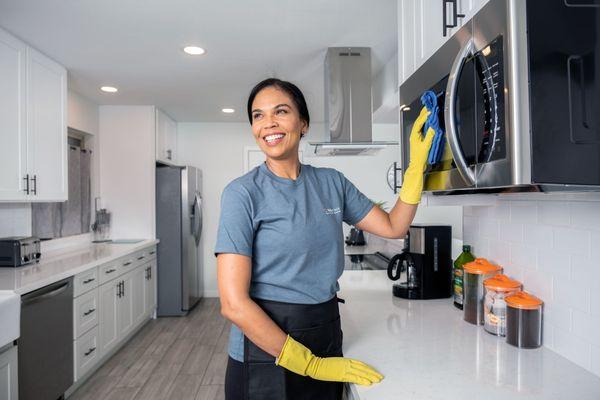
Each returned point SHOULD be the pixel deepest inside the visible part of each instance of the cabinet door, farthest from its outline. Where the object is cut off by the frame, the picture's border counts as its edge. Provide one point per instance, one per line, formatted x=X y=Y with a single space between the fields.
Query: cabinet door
x=46 y=127
x=150 y=289
x=138 y=293
x=469 y=8
x=13 y=156
x=8 y=374
x=166 y=137
x=125 y=308
x=109 y=302
x=408 y=33
x=430 y=23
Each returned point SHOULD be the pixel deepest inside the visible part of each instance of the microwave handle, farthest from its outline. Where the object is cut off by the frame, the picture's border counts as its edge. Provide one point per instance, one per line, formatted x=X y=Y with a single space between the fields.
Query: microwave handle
x=449 y=106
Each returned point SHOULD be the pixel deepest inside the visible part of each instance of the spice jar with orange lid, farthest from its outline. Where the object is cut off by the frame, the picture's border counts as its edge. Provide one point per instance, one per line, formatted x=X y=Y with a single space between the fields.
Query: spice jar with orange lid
x=475 y=272
x=524 y=320
x=496 y=289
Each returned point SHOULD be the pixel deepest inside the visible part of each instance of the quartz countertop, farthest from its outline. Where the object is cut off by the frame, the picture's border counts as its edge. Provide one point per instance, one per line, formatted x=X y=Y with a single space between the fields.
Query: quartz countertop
x=426 y=351
x=61 y=264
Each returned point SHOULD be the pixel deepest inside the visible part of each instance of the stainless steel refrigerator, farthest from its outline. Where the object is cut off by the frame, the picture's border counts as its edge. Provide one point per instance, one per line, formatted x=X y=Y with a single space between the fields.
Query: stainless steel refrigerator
x=179 y=229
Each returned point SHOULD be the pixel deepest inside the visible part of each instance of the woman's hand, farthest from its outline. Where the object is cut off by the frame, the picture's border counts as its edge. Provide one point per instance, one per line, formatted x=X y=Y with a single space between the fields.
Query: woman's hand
x=412 y=185
x=297 y=358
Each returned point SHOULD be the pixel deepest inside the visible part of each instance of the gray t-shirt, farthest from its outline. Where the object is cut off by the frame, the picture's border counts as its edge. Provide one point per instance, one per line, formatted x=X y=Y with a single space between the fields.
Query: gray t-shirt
x=292 y=230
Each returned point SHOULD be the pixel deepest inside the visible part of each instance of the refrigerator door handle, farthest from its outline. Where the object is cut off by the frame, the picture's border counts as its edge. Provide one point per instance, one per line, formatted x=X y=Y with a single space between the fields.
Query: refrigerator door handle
x=197 y=218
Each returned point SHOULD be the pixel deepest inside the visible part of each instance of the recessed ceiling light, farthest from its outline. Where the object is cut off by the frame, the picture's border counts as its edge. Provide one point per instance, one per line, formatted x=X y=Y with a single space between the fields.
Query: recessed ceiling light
x=109 y=89
x=194 y=50
x=228 y=110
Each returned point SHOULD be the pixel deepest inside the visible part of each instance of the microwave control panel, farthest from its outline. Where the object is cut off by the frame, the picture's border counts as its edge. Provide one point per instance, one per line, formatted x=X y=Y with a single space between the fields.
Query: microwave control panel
x=490 y=116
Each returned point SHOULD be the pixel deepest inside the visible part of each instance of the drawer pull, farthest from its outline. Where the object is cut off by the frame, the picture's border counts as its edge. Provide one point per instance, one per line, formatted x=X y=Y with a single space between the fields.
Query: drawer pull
x=140 y=257
x=152 y=252
x=88 y=312
x=90 y=351
x=89 y=280
x=110 y=271
x=127 y=263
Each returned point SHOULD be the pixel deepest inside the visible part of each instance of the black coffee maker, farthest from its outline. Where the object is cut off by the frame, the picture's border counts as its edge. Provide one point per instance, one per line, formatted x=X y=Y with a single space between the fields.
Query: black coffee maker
x=424 y=267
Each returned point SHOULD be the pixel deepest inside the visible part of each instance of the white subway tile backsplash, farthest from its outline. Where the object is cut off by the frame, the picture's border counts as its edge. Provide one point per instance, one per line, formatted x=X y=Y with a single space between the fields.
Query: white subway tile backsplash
x=558 y=315
x=510 y=232
x=499 y=252
x=596 y=359
x=586 y=326
x=585 y=214
x=553 y=213
x=573 y=347
x=554 y=262
x=553 y=247
x=523 y=212
x=538 y=235
x=574 y=241
x=488 y=228
x=572 y=294
x=523 y=256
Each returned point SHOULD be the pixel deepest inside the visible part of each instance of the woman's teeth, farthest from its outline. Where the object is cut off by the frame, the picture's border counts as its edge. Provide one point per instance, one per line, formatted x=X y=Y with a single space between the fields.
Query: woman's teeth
x=273 y=139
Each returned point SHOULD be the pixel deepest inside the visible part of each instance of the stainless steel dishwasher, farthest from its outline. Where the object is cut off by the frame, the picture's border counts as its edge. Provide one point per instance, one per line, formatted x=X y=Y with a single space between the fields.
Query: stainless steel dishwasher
x=46 y=342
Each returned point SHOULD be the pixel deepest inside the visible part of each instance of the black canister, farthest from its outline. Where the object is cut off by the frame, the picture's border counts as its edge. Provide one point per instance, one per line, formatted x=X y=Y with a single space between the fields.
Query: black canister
x=524 y=320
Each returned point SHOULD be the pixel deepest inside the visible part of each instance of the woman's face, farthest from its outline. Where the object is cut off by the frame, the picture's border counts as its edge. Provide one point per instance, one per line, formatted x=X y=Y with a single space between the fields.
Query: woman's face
x=276 y=124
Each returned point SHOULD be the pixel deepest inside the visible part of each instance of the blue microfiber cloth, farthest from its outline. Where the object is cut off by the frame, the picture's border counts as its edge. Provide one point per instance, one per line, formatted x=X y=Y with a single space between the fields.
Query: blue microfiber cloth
x=429 y=100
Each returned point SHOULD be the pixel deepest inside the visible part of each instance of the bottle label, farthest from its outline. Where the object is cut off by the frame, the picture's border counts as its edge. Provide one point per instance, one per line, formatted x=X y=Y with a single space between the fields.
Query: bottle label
x=458 y=286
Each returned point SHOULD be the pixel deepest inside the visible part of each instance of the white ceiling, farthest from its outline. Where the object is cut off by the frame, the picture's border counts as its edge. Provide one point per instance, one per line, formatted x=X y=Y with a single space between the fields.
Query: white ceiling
x=136 y=46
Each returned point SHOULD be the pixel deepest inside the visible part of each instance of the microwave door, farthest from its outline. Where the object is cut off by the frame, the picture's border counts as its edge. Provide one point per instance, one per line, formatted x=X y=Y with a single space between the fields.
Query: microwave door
x=460 y=113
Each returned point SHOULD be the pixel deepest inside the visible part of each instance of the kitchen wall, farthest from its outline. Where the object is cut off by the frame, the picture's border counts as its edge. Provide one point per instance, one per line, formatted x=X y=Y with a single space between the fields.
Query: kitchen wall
x=218 y=149
x=552 y=244
x=127 y=169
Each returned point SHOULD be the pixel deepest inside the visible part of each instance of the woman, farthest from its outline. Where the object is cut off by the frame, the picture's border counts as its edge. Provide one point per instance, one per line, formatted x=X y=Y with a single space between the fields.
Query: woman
x=280 y=252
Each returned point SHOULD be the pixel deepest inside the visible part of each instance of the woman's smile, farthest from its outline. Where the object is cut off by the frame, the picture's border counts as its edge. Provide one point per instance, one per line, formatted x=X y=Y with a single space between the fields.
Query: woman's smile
x=273 y=139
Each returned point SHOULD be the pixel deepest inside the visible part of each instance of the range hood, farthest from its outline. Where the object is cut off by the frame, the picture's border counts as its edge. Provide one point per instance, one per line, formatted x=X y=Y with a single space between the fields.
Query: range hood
x=348 y=104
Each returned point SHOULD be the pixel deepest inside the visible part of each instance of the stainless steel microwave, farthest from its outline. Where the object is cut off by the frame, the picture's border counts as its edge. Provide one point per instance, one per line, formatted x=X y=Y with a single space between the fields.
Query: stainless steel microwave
x=519 y=89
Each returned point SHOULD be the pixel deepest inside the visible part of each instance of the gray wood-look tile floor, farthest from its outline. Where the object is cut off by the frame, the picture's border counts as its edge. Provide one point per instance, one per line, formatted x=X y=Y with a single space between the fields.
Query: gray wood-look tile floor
x=169 y=358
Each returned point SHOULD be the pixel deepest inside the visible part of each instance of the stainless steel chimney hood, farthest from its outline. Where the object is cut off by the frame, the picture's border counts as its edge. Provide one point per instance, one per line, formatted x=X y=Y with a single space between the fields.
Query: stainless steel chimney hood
x=348 y=104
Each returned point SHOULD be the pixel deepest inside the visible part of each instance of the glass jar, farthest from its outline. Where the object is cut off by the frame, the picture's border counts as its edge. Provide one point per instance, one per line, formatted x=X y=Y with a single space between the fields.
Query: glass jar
x=475 y=272
x=496 y=289
x=524 y=320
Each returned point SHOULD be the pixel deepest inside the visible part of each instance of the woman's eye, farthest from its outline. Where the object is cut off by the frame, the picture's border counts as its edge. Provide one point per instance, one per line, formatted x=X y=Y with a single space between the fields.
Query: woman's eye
x=282 y=111
x=256 y=116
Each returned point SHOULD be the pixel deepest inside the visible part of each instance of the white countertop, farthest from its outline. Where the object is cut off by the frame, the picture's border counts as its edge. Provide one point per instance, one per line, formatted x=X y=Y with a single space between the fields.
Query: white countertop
x=61 y=264
x=426 y=351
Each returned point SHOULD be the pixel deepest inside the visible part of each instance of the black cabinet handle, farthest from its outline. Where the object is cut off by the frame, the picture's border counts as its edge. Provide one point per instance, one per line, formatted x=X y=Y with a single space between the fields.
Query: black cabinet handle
x=110 y=271
x=90 y=351
x=26 y=179
x=123 y=288
x=89 y=280
x=152 y=252
x=34 y=179
x=88 y=312
x=141 y=257
x=119 y=290
x=127 y=263
x=455 y=16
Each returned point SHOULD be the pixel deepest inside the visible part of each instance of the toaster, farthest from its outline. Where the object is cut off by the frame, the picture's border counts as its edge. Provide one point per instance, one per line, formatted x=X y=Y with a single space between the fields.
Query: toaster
x=17 y=251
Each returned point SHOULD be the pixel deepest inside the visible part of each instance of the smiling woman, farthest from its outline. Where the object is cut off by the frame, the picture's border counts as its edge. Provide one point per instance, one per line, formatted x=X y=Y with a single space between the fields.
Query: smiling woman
x=280 y=253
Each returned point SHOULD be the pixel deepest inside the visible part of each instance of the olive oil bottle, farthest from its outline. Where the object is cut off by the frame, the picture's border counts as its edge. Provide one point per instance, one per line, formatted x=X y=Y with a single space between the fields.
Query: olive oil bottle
x=457 y=275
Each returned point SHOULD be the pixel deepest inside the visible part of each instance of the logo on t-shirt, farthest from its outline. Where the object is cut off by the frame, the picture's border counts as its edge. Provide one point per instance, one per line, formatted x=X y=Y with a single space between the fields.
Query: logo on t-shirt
x=331 y=211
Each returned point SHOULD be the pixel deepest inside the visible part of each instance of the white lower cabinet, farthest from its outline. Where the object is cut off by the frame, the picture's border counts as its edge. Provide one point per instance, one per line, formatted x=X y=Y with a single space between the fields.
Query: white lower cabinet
x=108 y=323
x=8 y=374
x=86 y=352
x=106 y=315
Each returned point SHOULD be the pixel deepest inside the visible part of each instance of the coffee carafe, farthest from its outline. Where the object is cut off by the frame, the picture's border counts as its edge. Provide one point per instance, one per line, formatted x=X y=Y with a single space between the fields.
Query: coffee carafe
x=424 y=268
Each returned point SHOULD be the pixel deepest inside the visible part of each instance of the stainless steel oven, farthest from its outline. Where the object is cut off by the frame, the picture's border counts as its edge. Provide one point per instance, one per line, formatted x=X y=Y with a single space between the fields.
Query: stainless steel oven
x=519 y=89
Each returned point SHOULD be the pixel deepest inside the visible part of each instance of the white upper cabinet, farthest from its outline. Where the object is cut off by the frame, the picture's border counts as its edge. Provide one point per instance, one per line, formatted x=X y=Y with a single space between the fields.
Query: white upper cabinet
x=166 y=138
x=13 y=156
x=424 y=27
x=46 y=128
x=33 y=124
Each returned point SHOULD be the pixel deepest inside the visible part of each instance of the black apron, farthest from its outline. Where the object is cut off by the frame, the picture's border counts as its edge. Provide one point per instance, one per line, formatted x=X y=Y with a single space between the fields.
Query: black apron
x=317 y=326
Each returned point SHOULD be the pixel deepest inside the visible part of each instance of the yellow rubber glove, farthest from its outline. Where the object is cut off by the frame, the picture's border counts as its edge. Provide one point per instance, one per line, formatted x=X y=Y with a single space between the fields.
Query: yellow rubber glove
x=297 y=358
x=412 y=185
